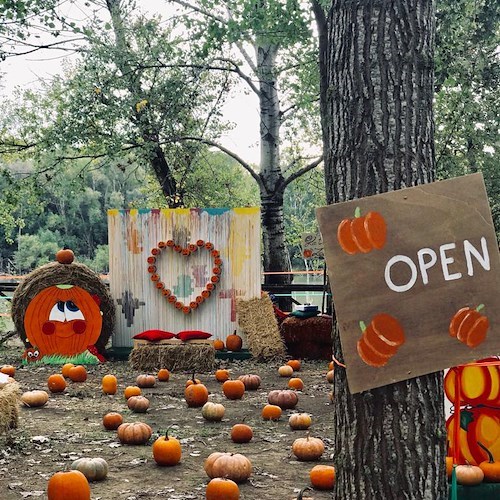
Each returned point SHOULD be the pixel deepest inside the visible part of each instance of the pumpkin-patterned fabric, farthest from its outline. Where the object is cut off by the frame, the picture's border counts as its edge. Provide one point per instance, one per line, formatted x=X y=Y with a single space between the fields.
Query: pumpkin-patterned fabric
x=154 y=335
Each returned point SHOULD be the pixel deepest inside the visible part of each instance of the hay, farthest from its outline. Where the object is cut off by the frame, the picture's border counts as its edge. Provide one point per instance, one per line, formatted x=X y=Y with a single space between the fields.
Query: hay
x=308 y=338
x=258 y=322
x=9 y=407
x=183 y=357
x=56 y=274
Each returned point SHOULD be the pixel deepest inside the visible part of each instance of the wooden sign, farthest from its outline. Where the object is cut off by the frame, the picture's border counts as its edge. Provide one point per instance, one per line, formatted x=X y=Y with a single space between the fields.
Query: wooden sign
x=415 y=278
x=312 y=245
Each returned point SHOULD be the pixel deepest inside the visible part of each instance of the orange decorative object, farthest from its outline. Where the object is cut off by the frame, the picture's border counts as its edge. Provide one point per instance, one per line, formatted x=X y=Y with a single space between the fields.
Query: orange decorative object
x=72 y=484
x=196 y=395
x=78 y=374
x=111 y=421
x=241 y=433
x=65 y=256
x=271 y=412
x=322 y=477
x=163 y=375
x=222 y=375
x=66 y=368
x=296 y=383
x=63 y=319
x=218 y=345
x=234 y=342
x=362 y=234
x=233 y=389
x=224 y=488
x=56 y=383
x=167 y=450
x=8 y=370
x=490 y=467
x=295 y=364
x=469 y=326
x=381 y=340
x=477 y=424
x=132 y=390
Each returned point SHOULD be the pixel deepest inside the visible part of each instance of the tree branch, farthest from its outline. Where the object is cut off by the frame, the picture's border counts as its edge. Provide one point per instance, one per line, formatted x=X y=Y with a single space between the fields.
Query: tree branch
x=302 y=171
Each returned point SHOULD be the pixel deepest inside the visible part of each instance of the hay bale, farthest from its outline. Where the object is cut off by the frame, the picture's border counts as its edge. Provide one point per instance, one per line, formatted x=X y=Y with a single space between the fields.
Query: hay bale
x=56 y=274
x=9 y=407
x=308 y=338
x=180 y=357
x=258 y=322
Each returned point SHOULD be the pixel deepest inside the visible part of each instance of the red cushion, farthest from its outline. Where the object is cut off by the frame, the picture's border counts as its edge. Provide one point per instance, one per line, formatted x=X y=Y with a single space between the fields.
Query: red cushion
x=193 y=334
x=154 y=335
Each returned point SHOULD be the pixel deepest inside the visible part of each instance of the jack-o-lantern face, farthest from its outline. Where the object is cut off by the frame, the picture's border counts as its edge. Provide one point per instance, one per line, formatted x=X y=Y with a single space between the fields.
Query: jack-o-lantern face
x=63 y=319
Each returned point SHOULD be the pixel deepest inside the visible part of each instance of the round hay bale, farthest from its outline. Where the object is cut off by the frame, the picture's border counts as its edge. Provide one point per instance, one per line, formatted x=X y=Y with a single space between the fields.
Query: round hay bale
x=9 y=407
x=68 y=274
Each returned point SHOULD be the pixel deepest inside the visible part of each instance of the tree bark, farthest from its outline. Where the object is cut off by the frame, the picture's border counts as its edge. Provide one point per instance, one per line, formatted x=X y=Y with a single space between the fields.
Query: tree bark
x=389 y=442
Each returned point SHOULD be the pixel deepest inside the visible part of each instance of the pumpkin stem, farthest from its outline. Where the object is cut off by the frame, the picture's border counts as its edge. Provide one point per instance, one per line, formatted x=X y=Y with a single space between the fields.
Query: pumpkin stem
x=302 y=491
x=479 y=307
x=166 y=433
x=490 y=455
x=357 y=212
x=362 y=326
x=193 y=379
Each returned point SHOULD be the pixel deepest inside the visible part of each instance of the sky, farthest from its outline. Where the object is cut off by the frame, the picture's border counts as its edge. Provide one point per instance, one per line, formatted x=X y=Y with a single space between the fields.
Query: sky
x=28 y=71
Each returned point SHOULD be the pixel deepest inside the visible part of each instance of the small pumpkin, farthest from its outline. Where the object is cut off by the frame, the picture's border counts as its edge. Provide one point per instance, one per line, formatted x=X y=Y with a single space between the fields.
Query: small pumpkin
x=109 y=384
x=72 y=484
x=299 y=421
x=233 y=389
x=295 y=364
x=112 y=421
x=469 y=475
x=167 y=450
x=65 y=256
x=138 y=404
x=233 y=466
x=234 y=342
x=329 y=377
x=222 y=375
x=8 y=370
x=132 y=390
x=56 y=383
x=77 y=373
x=308 y=448
x=163 y=375
x=34 y=399
x=271 y=412
x=241 y=433
x=218 y=345
x=213 y=412
x=196 y=394
x=296 y=383
x=322 y=477
x=285 y=399
x=490 y=467
x=285 y=371
x=94 y=469
x=66 y=368
x=330 y=365
x=222 y=488
x=145 y=381
x=251 y=382
x=134 y=433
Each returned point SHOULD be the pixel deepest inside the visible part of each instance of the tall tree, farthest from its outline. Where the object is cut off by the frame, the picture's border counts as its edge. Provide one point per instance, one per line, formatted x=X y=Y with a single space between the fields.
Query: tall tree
x=269 y=45
x=378 y=130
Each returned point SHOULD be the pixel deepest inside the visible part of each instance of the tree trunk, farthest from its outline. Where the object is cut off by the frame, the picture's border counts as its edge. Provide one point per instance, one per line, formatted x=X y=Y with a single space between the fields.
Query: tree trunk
x=389 y=442
x=275 y=251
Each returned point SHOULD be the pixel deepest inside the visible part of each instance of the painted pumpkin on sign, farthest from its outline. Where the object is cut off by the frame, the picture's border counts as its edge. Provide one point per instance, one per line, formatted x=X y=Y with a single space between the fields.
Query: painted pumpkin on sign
x=63 y=319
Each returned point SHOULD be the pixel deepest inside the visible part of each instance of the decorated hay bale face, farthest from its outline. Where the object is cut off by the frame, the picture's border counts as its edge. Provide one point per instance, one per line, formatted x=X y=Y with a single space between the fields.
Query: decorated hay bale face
x=63 y=319
x=63 y=313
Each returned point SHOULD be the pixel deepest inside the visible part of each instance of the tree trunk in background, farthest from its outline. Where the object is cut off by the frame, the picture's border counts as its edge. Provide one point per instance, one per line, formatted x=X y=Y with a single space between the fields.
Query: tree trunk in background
x=275 y=252
x=389 y=442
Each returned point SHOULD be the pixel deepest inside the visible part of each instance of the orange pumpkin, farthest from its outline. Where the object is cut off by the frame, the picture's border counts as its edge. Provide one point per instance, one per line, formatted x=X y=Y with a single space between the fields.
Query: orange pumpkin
x=330 y=365
x=362 y=233
x=112 y=421
x=490 y=467
x=77 y=374
x=296 y=383
x=469 y=326
x=221 y=487
x=56 y=383
x=163 y=375
x=221 y=375
x=145 y=381
x=167 y=450
x=109 y=384
x=234 y=342
x=8 y=370
x=134 y=433
x=233 y=389
x=65 y=256
x=271 y=412
x=234 y=466
x=132 y=390
x=241 y=433
x=295 y=364
x=308 y=448
x=218 y=345
x=196 y=395
x=64 y=485
x=62 y=319
x=322 y=477
x=66 y=368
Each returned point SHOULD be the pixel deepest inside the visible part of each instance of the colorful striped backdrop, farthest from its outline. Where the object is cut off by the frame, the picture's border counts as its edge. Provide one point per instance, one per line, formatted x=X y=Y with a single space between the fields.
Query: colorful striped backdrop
x=141 y=292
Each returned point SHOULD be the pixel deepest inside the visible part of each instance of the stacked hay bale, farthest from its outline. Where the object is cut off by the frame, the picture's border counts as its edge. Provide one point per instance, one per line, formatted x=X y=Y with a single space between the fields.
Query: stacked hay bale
x=9 y=406
x=258 y=322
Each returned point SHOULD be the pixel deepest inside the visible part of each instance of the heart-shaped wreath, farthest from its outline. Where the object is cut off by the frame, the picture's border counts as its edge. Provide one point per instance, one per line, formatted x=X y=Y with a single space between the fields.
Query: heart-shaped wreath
x=185 y=252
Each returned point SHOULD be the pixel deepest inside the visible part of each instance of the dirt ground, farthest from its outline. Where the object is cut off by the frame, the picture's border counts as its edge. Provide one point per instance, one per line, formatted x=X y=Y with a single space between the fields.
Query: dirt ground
x=48 y=439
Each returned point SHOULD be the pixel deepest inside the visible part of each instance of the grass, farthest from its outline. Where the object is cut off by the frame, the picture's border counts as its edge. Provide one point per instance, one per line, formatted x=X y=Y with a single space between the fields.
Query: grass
x=84 y=358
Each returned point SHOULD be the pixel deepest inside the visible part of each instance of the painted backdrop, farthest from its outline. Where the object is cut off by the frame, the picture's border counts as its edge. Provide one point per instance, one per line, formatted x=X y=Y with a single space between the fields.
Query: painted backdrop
x=180 y=269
